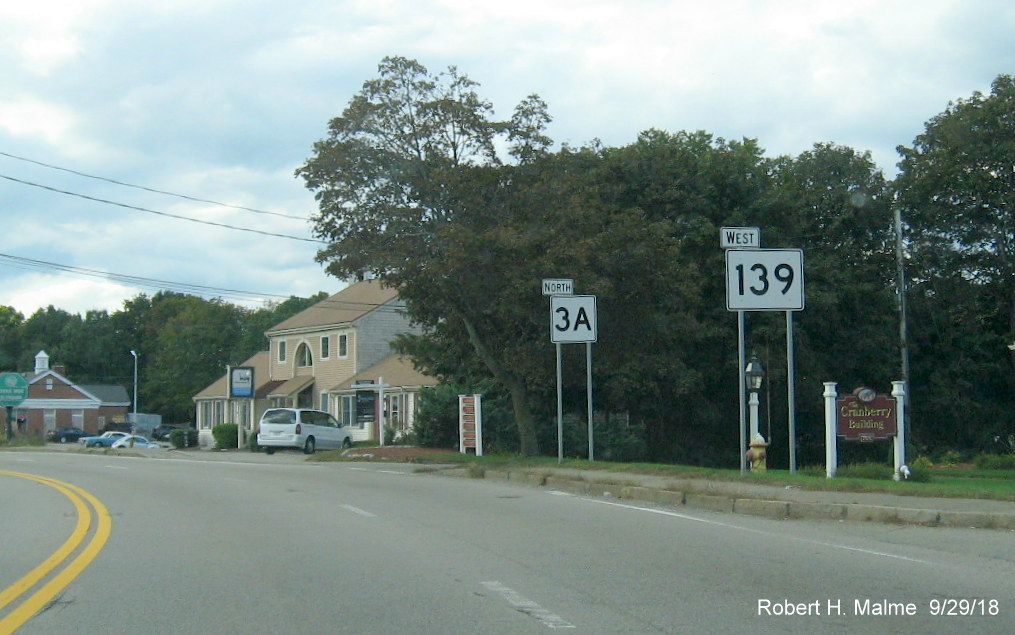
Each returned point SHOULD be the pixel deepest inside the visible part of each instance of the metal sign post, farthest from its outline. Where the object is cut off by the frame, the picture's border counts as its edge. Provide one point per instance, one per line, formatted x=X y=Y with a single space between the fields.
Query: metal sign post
x=573 y=320
x=741 y=364
x=790 y=392
x=764 y=280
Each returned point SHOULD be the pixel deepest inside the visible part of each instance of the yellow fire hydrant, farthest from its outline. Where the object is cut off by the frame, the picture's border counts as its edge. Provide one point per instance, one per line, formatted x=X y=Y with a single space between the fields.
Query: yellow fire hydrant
x=757 y=454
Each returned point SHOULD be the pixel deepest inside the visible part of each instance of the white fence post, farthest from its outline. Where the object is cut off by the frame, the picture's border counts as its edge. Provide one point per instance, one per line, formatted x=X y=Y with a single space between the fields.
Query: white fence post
x=831 y=451
x=899 y=392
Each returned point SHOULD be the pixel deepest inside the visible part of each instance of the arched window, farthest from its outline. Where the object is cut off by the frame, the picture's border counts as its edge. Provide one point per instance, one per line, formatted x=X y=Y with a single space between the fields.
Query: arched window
x=304 y=358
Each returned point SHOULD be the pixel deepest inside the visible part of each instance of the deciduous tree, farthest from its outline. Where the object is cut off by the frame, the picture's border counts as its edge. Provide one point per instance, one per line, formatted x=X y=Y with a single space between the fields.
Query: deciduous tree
x=410 y=188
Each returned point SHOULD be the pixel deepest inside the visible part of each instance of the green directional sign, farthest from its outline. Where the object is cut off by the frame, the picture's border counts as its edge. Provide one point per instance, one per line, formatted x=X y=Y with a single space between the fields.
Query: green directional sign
x=13 y=389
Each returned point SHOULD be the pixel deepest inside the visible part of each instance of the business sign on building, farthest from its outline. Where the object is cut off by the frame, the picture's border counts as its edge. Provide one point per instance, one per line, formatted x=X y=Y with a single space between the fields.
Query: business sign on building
x=866 y=416
x=241 y=382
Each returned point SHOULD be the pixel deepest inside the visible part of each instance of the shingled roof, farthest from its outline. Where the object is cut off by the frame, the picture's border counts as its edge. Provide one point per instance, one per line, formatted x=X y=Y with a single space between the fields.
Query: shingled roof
x=346 y=306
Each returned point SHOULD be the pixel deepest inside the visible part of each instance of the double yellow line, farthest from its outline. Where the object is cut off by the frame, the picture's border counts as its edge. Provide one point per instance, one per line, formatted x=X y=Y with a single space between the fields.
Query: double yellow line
x=35 y=602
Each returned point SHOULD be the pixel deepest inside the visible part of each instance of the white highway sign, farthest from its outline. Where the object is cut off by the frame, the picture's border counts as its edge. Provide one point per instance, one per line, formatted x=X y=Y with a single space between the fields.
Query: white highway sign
x=573 y=319
x=764 y=279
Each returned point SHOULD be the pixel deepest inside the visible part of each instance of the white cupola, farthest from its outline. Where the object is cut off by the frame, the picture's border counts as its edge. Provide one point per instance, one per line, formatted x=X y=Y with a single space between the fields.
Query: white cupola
x=41 y=362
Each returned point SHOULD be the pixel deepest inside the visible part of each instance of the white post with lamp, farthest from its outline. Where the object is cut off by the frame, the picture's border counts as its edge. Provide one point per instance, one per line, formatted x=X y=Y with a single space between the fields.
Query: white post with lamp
x=134 y=354
x=755 y=374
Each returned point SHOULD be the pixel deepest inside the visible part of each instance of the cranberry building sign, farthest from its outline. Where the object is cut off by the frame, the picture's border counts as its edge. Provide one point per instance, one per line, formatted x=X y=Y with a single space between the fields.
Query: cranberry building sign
x=866 y=416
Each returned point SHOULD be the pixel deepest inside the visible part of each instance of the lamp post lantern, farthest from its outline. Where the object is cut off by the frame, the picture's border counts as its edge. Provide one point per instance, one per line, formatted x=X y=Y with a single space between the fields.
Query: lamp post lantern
x=134 y=354
x=755 y=376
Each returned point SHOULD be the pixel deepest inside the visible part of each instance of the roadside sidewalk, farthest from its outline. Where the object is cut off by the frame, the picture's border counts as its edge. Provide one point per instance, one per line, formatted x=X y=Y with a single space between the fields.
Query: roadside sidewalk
x=766 y=500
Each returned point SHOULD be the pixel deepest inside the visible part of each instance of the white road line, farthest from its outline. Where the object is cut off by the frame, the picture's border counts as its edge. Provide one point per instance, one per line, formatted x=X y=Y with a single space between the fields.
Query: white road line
x=716 y=523
x=116 y=467
x=357 y=510
x=524 y=605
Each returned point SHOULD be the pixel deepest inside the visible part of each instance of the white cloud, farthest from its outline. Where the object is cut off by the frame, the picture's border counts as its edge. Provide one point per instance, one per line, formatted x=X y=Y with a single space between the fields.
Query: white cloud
x=27 y=116
x=29 y=293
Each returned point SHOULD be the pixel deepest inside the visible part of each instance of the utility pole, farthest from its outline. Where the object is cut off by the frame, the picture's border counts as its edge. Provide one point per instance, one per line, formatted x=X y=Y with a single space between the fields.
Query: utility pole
x=900 y=284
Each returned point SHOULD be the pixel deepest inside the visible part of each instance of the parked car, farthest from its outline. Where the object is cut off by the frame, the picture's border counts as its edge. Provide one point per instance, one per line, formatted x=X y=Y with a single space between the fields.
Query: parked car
x=106 y=439
x=162 y=432
x=64 y=435
x=135 y=441
x=301 y=428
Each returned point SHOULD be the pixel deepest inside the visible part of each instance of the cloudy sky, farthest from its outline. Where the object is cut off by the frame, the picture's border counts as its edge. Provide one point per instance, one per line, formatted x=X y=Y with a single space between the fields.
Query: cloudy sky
x=220 y=101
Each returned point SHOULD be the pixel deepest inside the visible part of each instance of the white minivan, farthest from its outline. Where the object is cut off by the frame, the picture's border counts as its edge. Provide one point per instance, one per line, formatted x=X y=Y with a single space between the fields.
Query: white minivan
x=301 y=428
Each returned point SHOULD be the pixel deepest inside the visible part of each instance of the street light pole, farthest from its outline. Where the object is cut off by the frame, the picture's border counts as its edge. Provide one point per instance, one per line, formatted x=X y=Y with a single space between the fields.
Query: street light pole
x=755 y=375
x=134 y=353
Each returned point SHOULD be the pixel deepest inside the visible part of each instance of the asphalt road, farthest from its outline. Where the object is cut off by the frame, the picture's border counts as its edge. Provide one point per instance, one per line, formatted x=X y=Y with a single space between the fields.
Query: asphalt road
x=199 y=546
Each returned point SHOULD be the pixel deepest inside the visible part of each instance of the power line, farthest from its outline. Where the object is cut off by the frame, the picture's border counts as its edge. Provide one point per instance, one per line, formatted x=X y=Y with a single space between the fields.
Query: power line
x=166 y=214
x=149 y=189
x=182 y=287
x=138 y=281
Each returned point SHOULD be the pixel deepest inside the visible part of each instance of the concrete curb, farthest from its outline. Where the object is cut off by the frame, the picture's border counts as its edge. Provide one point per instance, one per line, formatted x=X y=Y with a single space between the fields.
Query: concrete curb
x=707 y=496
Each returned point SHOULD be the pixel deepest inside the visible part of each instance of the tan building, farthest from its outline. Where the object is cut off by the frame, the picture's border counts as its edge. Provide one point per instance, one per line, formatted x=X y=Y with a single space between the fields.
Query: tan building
x=313 y=355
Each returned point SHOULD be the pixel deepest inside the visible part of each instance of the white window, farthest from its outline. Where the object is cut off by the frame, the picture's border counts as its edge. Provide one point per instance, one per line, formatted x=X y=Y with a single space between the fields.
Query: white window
x=325 y=347
x=343 y=346
x=325 y=402
x=304 y=358
x=347 y=415
x=49 y=419
x=281 y=350
x=77 y=418
x=49 y=384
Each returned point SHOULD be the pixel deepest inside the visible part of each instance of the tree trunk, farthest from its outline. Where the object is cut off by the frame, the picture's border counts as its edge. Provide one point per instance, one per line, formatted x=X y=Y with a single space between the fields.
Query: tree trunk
x=1012 y=325
x=528 y=441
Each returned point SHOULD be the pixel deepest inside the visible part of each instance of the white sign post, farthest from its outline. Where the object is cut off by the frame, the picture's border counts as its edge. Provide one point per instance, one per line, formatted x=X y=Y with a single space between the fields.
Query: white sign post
x=470 y=423
x=573 y=320
x=766 y=280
